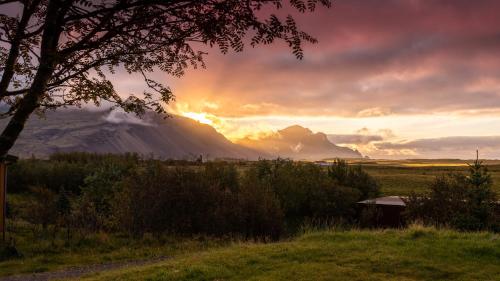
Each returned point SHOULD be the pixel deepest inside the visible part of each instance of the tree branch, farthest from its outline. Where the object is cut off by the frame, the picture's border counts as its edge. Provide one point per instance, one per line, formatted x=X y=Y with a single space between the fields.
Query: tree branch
x=15 y=44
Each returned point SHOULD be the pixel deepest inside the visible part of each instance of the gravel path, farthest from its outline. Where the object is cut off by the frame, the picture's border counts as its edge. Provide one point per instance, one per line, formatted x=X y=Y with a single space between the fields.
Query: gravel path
x=75 y=272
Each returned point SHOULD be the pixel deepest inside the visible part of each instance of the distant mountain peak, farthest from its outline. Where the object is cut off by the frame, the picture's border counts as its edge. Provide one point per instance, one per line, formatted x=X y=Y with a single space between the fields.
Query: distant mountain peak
x=298 y=142
x=296 y=129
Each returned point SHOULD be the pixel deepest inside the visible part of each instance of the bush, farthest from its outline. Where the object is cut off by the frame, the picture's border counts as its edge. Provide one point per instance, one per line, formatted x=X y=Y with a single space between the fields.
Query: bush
x=459 y=201
x=215 y=200
x=49 y=174
x=41 y=208
x=259 y=213
x=354 y=177
x=305 y=191
x=67 y=171
x=185 y=200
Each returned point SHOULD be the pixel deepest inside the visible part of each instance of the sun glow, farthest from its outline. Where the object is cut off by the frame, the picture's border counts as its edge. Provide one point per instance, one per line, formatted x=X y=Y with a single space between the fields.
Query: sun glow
x=231 y=128
x=203 y=118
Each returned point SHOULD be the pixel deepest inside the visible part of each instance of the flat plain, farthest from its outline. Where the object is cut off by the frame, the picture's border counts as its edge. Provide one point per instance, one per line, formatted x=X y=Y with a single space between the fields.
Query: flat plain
x=401 y=177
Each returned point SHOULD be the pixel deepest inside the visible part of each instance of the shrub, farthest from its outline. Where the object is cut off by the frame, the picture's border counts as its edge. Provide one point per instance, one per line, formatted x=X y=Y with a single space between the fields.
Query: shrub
x=259 y=213
x=41 y=208
x=67 y=171
x=221 y=175
x=305 y=191
x=85 y=216
x=185 y=200
x=354 y=177
x=456 y=200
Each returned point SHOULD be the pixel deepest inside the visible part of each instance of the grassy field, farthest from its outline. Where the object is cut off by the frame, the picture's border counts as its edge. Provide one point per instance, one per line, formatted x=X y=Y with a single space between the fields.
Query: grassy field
x=41 y=252
x=404 y=176
x=413 y=254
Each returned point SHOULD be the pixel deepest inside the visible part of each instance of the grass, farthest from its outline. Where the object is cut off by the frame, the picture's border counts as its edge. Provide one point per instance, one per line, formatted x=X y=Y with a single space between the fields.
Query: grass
x=413 y=254
x=41 y=252
x=401 y=177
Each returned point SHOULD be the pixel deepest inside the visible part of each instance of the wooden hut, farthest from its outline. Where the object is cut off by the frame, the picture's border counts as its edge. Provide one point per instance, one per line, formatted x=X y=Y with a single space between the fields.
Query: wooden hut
x=383 y=211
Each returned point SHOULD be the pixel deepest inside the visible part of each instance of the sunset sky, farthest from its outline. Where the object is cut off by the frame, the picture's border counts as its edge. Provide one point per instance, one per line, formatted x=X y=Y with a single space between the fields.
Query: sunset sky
x=393 y=78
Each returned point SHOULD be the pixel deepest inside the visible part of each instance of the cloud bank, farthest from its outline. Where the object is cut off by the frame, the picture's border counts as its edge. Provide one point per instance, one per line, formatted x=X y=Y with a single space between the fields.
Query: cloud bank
x=429 y=70
x=447 y=147
x=375 y=58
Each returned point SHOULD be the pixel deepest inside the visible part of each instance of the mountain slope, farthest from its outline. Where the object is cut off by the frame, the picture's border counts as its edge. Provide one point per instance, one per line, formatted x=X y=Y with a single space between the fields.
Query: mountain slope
x=115 y=132
x=299 y=143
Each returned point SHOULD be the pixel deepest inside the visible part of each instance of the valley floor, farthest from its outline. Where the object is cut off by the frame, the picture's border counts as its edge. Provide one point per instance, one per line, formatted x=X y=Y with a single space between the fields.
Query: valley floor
x=404 y=177
x=412 y=254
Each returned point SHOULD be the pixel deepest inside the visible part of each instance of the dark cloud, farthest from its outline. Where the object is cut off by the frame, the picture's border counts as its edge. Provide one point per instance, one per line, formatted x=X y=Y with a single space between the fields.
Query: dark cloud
x=402 y=56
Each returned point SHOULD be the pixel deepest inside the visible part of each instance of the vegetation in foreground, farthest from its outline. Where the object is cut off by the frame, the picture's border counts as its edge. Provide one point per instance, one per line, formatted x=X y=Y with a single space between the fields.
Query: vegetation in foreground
x=413 y=254
x=100 y=207
x=38 y=251
x=82 y=193
x=79 y=209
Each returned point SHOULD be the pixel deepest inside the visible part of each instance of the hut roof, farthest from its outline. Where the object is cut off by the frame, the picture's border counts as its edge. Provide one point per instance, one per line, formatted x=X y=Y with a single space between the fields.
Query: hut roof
x=388 y=200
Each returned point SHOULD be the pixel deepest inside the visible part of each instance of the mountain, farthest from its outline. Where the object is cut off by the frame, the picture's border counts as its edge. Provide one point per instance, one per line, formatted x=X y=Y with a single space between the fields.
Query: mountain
x=116 y=132
x=299 y=143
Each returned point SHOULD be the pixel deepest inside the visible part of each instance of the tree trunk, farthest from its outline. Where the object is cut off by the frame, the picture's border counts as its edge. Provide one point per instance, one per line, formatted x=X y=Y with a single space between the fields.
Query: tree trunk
x=28 y=104
x=8 y=72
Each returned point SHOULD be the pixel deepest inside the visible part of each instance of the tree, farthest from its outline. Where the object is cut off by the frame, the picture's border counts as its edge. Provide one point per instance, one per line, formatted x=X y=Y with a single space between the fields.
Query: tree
x=354 y=176
x=465 y=202
x=478 y=174
x=56 y=53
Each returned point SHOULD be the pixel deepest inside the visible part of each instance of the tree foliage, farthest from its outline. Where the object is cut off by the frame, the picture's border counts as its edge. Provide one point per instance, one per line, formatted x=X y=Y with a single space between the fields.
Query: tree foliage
x=263 y=199
x=460 y=201
x=354 y=176
x=57 y=53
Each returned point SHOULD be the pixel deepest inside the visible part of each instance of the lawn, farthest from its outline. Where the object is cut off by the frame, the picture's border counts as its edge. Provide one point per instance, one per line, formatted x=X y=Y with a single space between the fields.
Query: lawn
x=413 y=254
x=41 y=252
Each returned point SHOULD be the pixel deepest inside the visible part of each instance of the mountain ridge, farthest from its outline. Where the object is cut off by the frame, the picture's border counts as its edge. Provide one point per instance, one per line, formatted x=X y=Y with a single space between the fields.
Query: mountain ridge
x=175 y=137
x=299 y=143
x=153 y=135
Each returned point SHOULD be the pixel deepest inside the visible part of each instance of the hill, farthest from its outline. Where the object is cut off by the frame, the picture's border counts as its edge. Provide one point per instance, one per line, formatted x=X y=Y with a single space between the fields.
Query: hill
x=297 y=142
x=116 y=132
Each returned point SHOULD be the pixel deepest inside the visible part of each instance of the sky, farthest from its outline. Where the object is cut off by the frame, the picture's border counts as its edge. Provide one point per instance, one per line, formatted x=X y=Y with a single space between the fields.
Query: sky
x=392 y=78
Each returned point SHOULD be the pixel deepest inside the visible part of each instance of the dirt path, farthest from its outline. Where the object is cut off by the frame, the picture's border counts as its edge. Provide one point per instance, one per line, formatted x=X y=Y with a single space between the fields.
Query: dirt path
x=75 y=272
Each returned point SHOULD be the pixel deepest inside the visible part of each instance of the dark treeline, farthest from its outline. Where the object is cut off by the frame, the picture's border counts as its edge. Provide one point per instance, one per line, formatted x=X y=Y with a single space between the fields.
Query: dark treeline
x=85 y=193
